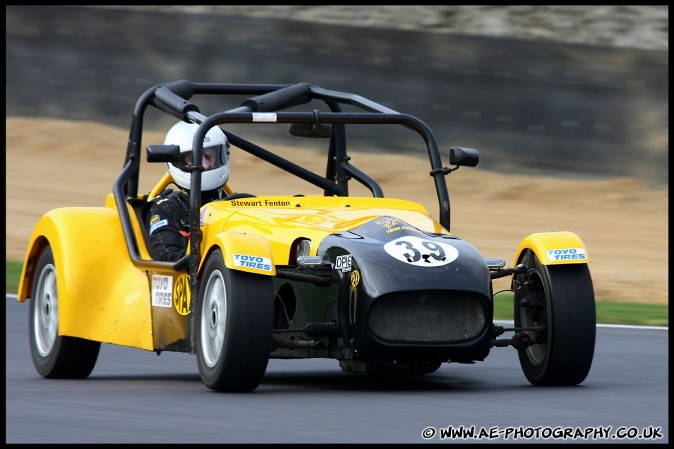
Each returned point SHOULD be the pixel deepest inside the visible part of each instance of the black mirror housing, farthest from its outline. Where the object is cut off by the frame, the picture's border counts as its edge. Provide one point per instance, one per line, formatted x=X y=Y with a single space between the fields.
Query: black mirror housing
x=163 y=153
x=467 y=157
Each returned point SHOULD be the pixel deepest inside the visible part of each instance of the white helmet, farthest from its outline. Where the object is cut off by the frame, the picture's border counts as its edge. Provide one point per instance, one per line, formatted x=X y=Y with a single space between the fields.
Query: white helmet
x=216 y=151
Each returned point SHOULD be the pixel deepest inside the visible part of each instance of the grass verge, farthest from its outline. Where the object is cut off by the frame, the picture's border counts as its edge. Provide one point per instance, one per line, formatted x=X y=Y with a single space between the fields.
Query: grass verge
x=608 y=312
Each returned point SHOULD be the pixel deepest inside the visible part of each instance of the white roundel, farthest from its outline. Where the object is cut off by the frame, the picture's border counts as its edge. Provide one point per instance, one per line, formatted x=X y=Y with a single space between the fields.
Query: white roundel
x=421 y=252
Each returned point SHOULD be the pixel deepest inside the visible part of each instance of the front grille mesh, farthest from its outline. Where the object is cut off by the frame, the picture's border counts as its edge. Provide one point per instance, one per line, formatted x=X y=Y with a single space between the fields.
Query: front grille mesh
x=427 y=317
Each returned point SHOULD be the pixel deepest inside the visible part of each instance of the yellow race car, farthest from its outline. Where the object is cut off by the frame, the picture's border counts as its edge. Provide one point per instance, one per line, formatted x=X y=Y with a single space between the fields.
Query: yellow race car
x=376 y=283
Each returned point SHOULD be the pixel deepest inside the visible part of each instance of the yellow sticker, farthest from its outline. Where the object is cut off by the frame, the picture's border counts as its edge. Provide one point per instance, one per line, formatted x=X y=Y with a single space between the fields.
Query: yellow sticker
x=181 y=294
x=355 y=278
x=387 y=222
x=154 y=219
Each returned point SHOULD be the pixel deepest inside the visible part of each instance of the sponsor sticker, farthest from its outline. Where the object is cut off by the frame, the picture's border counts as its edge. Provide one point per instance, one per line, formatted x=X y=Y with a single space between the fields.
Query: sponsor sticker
x=387 y=222
x=566 y=254
x=421 y=252
x=162 y=291
x=355 y=278
x=392 y=224
x=181 y=295
x=343 y=263
x=245 y=260
x=264 y=117
x=158 y=225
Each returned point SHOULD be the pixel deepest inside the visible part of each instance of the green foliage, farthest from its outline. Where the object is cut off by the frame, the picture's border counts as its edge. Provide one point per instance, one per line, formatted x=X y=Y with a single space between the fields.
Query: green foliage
x=633 y=313
x=12 y=275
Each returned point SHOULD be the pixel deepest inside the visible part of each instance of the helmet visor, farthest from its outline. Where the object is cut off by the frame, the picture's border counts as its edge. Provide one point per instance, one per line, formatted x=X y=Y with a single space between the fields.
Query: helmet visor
x=212 y=157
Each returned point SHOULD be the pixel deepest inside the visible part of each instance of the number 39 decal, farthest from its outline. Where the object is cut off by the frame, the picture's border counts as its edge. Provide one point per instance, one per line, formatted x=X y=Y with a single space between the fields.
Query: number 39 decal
x=421 y=252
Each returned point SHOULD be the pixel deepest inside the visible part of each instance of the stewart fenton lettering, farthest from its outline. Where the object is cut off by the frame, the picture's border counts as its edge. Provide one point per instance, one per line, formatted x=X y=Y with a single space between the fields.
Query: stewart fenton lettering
x=276 y=203
x=258 y=203
x=246 y=203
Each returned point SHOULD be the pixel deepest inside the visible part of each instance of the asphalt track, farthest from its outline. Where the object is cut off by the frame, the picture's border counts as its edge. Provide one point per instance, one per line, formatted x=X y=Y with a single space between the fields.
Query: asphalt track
x=529 y=108
x=135 y=396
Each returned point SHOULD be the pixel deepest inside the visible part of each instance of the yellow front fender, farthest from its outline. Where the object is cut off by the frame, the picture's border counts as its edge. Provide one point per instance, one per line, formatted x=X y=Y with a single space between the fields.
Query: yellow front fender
x=555 y=248
x=245 y=252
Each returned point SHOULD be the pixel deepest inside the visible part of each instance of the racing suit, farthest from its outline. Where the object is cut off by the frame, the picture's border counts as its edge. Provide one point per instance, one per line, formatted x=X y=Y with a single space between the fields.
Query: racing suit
x=168 y=223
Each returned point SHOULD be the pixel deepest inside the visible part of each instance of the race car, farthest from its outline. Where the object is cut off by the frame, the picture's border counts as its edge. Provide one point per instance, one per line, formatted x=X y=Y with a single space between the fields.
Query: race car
x=376 y=283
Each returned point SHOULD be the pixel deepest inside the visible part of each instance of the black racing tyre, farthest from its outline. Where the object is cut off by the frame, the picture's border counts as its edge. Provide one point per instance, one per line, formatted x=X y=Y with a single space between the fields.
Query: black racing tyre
x=561 y=301
x=55 y=356
x=234 y=323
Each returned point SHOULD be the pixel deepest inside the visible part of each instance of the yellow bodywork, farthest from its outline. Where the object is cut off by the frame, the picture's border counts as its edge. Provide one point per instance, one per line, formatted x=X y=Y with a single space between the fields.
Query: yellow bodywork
x=280 y=220
x=104 y=297
x=555 y=248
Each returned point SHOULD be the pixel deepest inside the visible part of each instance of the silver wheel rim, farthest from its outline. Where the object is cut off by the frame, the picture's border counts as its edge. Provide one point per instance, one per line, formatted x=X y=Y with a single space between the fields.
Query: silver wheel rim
x=45 y=316
x=213 y=319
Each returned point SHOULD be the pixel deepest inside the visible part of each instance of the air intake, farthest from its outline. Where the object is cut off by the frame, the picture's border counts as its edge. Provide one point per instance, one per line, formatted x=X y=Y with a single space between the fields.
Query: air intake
x=428 y=317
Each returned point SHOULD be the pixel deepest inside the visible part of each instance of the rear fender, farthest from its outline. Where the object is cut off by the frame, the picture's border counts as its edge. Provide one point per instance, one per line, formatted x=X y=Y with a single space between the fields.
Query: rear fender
x=58 y=228
x=245 y=252
x=555 y=248
x=102 y=296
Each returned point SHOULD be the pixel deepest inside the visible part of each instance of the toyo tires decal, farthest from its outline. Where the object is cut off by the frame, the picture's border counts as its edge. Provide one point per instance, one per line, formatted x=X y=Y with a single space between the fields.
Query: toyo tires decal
x=162 y=291
x=566 y=254
x=245 y=260
x=170 y=292
x=421 y=252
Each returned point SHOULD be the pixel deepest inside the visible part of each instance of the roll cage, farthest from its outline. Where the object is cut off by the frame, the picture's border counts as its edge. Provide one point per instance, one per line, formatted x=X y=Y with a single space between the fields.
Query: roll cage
x=266 y=104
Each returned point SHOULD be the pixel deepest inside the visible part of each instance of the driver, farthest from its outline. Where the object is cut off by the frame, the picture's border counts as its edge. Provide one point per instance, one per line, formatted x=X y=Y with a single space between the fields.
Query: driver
x=168 y=217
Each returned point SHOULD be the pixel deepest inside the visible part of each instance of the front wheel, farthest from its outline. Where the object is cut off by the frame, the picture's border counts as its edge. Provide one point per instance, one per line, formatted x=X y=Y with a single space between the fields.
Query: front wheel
x=234 y=324
x=557 y=300
x=55 y=356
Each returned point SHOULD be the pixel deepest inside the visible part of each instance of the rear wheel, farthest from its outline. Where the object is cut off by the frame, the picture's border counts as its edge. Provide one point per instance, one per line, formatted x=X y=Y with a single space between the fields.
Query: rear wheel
x=559 y=301
x=234 y=323
x=54 y=356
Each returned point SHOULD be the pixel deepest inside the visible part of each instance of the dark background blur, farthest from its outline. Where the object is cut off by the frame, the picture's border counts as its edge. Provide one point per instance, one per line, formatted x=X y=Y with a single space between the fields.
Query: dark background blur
x=529 y=107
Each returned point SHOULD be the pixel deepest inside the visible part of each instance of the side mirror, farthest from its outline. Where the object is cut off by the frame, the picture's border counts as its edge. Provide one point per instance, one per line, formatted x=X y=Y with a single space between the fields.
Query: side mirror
x=163 y=153
x=467 y=157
